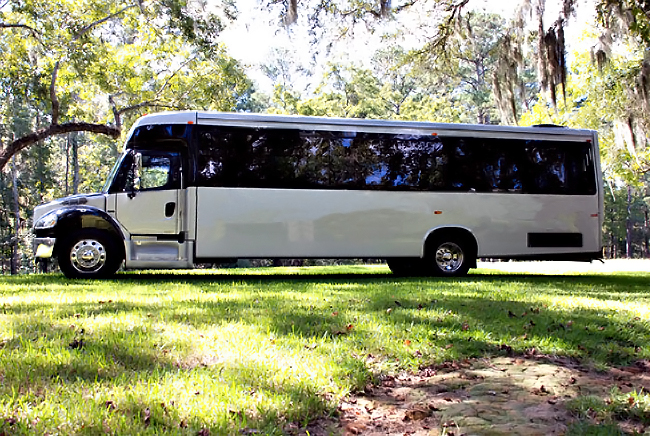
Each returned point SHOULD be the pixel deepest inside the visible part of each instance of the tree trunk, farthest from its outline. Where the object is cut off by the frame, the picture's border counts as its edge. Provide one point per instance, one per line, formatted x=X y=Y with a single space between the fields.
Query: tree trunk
x=75 y=163
x=628 y=225
x=646 y=233
x=15 y=252
x=67 y=166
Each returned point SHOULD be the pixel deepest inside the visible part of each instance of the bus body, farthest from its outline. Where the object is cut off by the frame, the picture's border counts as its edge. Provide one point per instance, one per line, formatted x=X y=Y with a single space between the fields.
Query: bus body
x=199 y=187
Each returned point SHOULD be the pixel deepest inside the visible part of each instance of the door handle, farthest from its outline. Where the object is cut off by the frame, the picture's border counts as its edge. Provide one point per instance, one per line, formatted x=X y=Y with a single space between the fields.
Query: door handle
x=170 y=208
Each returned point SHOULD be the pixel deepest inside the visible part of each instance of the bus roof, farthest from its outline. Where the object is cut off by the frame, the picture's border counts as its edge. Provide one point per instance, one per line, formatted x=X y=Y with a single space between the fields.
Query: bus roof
x=354 y=124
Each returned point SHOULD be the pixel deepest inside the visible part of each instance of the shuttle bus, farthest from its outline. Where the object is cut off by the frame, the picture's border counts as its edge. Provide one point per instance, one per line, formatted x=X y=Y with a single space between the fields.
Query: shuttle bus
x=203 y=187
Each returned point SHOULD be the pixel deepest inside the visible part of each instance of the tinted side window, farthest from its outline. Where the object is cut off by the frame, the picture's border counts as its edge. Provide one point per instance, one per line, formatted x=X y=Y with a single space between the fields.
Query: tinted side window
x=560 y=168
x=308 y=159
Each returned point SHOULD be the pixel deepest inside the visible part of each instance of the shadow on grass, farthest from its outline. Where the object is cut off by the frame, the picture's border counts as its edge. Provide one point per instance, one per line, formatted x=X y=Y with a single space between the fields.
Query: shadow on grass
x=348 y=318
x=518 y=318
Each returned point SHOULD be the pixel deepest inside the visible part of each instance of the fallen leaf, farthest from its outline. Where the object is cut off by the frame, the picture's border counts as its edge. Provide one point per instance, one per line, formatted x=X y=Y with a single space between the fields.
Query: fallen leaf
x=77 y=344
x=407 y=342
x=355 y=428
x=416 y=414
x=465 y=327
x=389 y=310
x=147 y=416
x=543 y=389
x=335 y=314
x=349 y=327
x=506 y=348
x=448 y=346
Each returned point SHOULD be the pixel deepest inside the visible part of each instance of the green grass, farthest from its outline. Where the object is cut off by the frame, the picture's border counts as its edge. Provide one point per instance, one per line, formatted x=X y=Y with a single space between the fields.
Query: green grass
x=600 y=415
x=226 y=350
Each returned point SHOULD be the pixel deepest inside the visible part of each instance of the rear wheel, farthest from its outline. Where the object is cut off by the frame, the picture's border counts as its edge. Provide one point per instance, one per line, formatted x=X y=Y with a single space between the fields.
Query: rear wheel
x=449 y=257
x=89 y=254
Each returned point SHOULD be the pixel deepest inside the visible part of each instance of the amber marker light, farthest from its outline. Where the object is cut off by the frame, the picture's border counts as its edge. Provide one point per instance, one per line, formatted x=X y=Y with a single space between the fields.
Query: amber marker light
x=190 y=122
x=437 y=212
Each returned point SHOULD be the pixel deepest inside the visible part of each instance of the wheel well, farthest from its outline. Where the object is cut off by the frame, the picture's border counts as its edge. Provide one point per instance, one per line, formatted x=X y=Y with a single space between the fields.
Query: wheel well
x=456 y=234
x=68 y=226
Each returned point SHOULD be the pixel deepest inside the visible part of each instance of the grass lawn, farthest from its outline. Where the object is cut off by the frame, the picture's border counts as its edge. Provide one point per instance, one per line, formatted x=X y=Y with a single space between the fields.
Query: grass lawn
x=241 y=350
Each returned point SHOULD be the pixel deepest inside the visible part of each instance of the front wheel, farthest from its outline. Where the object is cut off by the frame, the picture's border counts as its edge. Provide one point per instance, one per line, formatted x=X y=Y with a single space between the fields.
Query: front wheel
x=89 y=254
x=450 y=257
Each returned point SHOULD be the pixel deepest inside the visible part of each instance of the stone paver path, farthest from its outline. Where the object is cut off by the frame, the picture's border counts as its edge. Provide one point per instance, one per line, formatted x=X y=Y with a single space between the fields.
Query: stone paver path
x=502 y=396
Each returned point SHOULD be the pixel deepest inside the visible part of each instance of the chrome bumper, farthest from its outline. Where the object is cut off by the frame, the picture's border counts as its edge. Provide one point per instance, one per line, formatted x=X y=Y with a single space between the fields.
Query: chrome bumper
x=43 y=247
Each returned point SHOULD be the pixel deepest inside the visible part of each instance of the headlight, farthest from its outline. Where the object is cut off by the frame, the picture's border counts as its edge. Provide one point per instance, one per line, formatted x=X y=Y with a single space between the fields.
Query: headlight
x=47 y=221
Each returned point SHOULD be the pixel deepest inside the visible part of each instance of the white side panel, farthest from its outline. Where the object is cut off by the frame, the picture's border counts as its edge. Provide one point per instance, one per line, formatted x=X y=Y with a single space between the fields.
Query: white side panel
x=236 y=222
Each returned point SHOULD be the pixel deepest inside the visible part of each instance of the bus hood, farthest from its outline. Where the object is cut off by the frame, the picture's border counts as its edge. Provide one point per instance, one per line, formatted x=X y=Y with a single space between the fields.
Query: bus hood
x=93 y=200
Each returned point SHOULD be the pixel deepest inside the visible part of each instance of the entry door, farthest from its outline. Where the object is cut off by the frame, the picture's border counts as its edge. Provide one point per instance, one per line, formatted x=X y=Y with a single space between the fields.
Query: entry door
x=154 y=204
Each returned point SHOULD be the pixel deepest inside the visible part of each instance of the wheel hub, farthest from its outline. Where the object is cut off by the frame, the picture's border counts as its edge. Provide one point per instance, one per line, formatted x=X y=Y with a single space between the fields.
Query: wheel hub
x=449 y=257
x=88 y=255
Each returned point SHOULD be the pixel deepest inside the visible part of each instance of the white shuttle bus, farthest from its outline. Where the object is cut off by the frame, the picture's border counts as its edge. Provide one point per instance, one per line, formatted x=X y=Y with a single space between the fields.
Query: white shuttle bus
x=203 y=187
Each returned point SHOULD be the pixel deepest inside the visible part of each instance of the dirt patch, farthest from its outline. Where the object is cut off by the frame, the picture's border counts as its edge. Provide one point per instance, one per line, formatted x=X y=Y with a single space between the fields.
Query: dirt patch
x=501 y=396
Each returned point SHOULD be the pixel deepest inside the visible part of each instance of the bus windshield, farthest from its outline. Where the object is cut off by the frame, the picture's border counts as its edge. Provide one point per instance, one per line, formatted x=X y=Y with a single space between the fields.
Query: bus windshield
x=111 y=174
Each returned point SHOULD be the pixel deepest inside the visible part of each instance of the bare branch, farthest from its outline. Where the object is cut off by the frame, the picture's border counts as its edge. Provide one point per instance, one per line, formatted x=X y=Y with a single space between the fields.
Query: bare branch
x=151 y=103
x=90 y=26
x=180 y=67
x=31 y=30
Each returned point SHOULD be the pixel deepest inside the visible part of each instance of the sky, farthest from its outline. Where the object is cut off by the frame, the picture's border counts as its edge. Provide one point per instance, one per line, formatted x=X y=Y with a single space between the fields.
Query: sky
x=252 y=38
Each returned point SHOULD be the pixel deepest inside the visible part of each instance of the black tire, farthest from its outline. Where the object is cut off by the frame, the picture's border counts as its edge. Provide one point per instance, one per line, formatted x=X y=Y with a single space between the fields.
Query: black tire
x=89 y=253
x=406 y=266
x=449 y=256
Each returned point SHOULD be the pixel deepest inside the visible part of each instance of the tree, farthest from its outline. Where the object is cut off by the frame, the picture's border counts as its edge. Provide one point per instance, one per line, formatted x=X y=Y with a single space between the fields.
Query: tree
x=83 y=64
x=71 y=70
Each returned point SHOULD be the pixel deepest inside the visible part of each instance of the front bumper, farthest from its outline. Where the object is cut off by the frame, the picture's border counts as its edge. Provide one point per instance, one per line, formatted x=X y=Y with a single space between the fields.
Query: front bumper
x=43 y=247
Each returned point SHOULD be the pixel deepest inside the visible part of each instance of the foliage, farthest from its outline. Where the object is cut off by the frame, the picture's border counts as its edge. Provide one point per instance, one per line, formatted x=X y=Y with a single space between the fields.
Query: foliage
x=93 y=61
x=467 y=66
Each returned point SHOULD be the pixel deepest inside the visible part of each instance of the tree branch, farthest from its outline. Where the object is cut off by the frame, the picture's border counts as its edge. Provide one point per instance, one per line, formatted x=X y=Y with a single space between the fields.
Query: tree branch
x=53 y=130
x=89 y=27
x=33 y=31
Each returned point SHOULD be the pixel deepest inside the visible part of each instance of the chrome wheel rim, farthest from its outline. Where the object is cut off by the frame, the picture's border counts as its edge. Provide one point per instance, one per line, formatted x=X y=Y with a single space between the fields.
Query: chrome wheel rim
x=88 y=255
x=449 y=257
